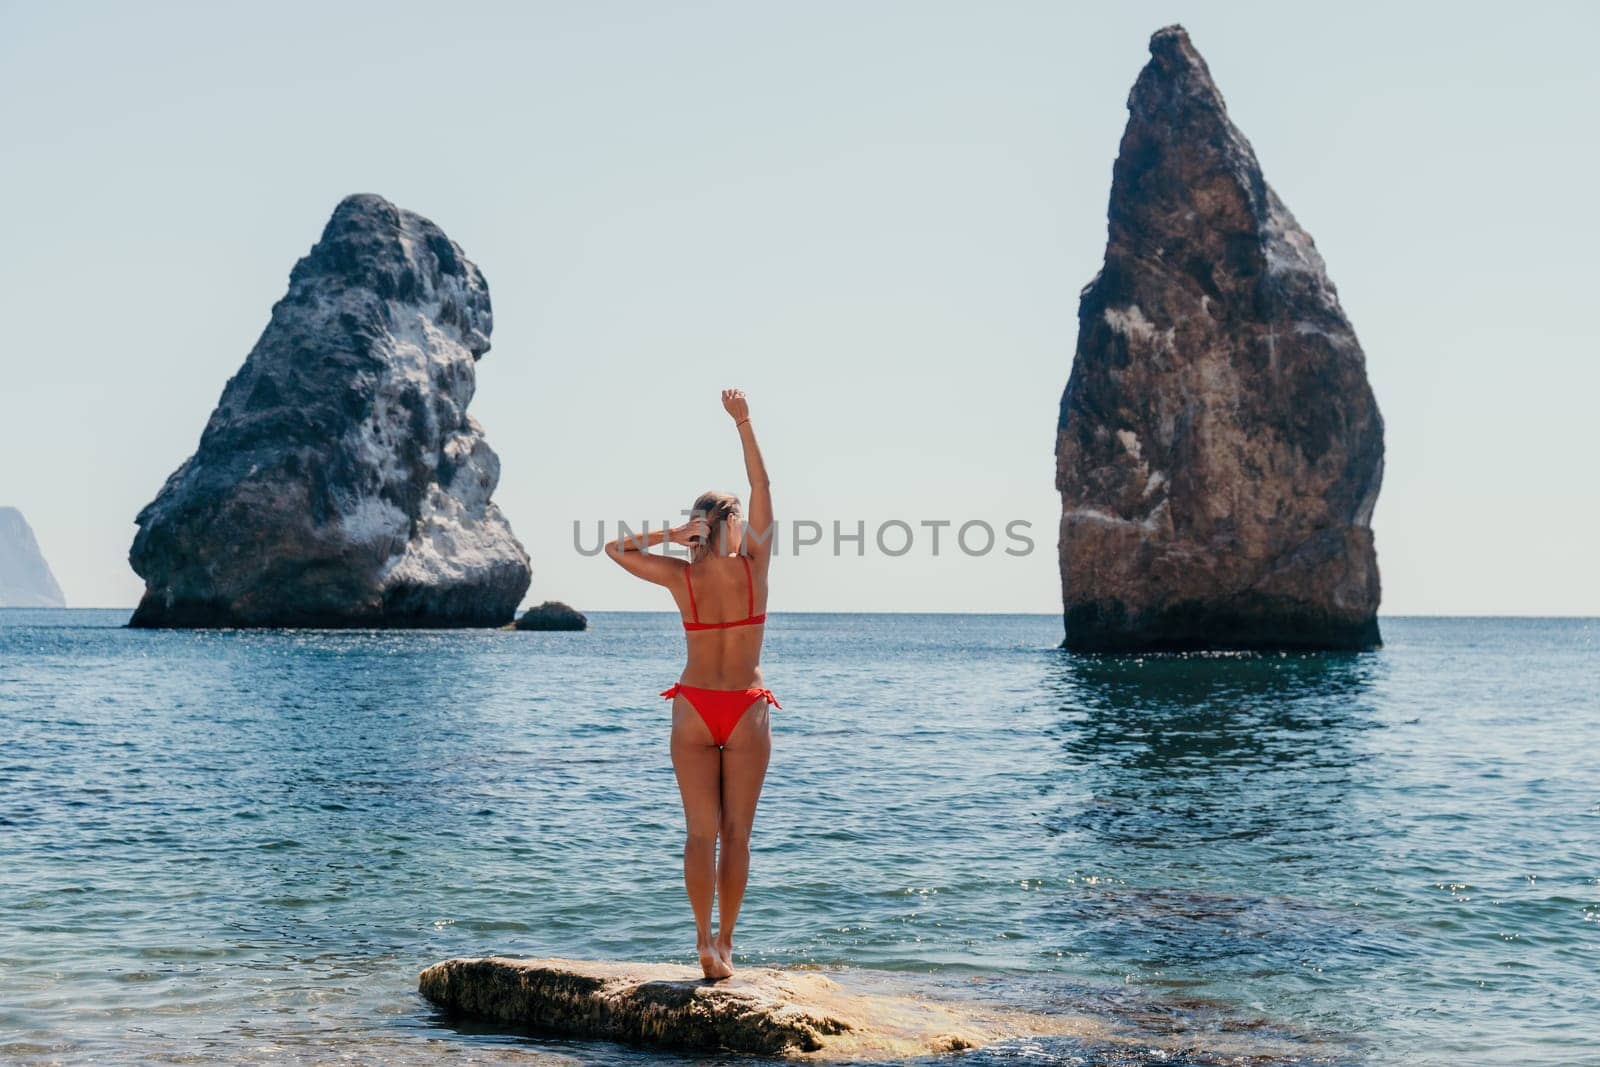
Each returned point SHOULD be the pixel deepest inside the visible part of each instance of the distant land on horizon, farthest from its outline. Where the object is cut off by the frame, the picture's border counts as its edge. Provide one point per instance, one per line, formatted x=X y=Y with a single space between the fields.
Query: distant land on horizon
x=26 y=580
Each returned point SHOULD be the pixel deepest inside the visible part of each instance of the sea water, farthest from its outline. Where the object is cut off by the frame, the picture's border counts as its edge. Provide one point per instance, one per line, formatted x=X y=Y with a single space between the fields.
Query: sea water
x=243 y=846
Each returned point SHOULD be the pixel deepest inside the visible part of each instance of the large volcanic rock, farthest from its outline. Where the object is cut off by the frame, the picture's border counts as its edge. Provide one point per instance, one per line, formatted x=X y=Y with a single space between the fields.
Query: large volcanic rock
x=1219 y=449
x=340 y=480
x=25 y=578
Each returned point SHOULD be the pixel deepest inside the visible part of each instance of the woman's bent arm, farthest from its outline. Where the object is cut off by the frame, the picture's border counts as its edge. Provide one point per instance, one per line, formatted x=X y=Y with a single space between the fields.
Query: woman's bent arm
x=759 y=530
x=633 y=553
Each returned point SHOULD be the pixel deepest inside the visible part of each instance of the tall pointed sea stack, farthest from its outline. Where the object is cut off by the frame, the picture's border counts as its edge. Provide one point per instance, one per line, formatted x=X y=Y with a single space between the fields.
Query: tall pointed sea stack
x=1219 y=450
x=340 y=480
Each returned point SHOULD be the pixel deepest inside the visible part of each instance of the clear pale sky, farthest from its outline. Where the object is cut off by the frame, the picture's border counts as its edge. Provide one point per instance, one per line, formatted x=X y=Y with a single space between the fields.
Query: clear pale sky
x=874 y=217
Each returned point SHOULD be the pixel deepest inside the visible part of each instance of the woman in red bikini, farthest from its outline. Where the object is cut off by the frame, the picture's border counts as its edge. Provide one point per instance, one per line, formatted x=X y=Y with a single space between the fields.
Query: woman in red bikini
x=721 y=733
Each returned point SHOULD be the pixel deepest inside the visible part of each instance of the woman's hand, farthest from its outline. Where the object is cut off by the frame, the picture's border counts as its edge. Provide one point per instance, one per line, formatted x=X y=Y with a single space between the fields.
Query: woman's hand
x=734 y=403
x=693 y=532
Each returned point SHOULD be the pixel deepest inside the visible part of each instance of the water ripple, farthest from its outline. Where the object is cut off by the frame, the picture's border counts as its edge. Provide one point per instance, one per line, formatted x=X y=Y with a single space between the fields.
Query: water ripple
x=242 y=846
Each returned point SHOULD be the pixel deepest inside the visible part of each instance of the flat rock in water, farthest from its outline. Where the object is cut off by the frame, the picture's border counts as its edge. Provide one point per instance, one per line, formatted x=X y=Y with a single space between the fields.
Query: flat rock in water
x=759 y=1010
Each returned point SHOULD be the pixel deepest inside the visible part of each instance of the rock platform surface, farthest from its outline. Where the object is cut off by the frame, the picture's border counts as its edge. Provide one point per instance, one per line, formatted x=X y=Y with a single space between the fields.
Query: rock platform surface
x=795 y=1013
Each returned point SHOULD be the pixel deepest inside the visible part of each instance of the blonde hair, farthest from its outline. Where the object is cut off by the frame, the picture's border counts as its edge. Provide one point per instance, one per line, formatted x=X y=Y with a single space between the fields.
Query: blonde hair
x=716 y=508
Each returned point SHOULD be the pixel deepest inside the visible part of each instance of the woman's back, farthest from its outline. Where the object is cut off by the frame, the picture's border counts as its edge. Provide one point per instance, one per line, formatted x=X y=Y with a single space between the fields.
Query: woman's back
x=723 y=601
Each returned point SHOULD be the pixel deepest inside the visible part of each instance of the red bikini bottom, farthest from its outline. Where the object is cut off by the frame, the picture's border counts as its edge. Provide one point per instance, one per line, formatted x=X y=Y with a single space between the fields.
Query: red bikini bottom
x=721 y=709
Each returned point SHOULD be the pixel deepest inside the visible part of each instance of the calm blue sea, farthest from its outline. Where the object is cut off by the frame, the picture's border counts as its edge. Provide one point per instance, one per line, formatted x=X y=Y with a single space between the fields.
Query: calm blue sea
x=243 y=846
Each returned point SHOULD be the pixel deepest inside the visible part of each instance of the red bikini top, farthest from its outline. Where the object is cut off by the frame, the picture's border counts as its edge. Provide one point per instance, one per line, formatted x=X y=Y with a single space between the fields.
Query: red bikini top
x=752 y=619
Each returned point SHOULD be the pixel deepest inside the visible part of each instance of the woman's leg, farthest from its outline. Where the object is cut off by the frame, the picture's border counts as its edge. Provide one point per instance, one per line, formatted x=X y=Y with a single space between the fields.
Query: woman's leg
x=744 y=768
x=698 y=764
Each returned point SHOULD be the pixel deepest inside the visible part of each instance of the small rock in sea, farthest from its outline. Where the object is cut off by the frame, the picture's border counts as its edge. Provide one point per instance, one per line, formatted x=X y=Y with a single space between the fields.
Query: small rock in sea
x=759 y=1010
x=1219 y=449
x=552 y=615
x=340 y=480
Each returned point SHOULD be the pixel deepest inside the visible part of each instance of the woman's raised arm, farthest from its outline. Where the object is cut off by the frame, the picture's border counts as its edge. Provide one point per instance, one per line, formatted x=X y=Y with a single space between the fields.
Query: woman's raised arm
x=759 y=529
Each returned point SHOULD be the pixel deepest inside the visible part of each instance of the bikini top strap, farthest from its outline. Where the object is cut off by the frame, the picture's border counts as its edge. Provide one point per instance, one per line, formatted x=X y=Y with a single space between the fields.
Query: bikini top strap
x=687 y=570
x=750 y=587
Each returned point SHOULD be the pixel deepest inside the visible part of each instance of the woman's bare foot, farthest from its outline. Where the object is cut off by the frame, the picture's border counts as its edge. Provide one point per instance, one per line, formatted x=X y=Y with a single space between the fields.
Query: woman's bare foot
x=711 y=961
x=724 y=949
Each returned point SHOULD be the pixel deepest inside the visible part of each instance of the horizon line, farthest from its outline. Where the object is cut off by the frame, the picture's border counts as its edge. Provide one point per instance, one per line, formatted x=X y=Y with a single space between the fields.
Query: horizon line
x=663 y=611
